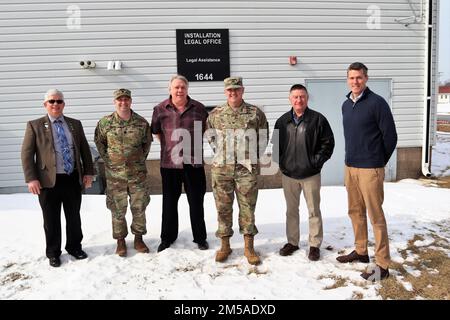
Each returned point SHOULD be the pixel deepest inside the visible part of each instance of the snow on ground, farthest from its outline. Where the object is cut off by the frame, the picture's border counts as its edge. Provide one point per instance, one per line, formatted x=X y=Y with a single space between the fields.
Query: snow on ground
x=440 y=156
x=185 y=272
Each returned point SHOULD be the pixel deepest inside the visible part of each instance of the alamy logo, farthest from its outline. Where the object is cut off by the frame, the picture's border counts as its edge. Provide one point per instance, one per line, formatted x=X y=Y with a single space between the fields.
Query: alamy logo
x=241 y=146
x=374 y=20
x=375 y=273
x=74 y=19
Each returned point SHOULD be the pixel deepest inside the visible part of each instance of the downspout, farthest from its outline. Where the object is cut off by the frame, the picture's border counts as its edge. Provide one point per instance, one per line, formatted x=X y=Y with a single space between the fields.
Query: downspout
x=426 y=155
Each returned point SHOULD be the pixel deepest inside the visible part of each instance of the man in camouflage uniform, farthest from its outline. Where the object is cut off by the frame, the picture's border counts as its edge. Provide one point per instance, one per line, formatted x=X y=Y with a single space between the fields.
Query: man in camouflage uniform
x=238 y=133
x=123 y=140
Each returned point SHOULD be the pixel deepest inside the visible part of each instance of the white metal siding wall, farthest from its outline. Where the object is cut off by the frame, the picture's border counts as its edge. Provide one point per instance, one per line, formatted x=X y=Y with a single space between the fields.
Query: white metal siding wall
x=38 y=51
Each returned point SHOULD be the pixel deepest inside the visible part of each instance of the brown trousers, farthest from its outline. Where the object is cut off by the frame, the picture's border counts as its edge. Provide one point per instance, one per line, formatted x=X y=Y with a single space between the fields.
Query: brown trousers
x=365 y=192
x=311 y=190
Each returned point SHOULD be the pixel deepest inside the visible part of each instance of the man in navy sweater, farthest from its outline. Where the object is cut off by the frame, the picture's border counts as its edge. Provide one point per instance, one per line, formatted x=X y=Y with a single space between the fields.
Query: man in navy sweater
x=370 y=140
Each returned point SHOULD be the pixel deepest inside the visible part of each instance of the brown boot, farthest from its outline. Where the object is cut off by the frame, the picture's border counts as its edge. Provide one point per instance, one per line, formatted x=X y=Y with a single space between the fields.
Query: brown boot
x=224 y=251
x=249 y=251
x=139 y=244
x=121 y=248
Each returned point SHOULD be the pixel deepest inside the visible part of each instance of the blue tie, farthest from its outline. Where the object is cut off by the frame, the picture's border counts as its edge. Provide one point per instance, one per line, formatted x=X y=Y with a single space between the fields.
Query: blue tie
x=64 y=144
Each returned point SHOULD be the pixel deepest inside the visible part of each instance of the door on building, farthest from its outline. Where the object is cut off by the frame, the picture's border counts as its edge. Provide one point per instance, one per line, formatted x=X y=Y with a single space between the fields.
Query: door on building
x=326 y=96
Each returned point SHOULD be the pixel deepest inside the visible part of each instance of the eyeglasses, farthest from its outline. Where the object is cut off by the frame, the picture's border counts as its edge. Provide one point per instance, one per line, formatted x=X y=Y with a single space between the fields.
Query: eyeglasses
x=55 y=101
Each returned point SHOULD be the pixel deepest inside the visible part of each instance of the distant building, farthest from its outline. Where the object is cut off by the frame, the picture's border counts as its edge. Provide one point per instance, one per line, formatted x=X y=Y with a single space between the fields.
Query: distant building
x=444 y=94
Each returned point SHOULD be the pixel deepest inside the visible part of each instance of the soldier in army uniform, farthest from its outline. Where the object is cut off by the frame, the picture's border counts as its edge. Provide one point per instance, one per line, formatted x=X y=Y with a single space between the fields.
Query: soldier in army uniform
x=235 y=129
x=123 y=140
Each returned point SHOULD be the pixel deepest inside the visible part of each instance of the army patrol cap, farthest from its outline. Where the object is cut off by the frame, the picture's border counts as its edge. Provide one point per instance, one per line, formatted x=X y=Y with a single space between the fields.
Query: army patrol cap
x=121 y=92
x=233 y=83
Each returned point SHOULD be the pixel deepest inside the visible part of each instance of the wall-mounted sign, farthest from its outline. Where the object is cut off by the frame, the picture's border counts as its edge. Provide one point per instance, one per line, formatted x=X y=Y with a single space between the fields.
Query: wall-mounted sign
x=203 y=54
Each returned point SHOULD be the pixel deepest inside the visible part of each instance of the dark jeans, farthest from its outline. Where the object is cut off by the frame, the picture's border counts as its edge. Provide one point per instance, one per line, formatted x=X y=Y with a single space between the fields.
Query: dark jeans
x=194 y=181
x=67 y=191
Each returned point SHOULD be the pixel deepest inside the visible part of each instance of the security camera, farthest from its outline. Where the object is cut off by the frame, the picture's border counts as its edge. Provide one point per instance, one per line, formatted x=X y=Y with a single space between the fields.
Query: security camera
x=87 y=64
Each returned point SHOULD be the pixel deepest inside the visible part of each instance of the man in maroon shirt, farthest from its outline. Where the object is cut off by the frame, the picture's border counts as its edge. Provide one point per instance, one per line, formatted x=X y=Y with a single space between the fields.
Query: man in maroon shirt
x=179 y=123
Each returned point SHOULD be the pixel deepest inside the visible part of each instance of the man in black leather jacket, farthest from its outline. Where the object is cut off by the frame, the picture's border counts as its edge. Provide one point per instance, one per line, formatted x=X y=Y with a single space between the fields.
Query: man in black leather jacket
x=303 y=142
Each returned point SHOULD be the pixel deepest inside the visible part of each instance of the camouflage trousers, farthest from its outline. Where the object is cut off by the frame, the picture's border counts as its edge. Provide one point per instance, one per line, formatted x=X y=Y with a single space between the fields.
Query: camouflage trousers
x=226 y=181
x=117 y=192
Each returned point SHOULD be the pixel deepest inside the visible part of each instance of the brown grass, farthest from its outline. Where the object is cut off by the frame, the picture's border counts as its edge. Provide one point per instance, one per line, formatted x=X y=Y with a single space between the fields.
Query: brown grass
x=433 y=282
x=444 y=182
x=256 y=271
x=443 y=127
x=338 y=281
x=357 y=295
x=228 y=266
x=440 y=182
x=431 y=260
x=12 y=277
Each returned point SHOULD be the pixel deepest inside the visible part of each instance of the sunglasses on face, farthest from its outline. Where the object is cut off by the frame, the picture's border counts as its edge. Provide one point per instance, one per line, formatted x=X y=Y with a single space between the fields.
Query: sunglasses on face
x=55 y=101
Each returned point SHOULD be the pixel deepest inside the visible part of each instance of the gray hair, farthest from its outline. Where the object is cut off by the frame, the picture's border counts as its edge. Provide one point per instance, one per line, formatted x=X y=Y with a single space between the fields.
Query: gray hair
x=53 y=92
x=179 y=77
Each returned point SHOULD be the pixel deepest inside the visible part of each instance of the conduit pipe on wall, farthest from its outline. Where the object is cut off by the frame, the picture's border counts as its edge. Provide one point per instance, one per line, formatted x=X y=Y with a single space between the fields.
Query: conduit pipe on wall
x=429 y=78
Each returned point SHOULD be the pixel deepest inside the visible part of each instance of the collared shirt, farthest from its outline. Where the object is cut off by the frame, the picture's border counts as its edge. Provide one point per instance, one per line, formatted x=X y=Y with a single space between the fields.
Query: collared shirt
x=295 y=118
x=177 y=129
x=357 y=98
x=57 y=145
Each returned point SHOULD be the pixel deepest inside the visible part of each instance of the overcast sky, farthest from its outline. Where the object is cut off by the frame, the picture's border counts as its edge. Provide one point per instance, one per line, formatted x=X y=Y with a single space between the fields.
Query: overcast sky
x=444 y=40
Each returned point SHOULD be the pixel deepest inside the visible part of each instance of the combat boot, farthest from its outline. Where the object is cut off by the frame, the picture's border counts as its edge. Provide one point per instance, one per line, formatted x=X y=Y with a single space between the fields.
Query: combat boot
x=224 y=251
x=249 y=251
x=121 y=248
x=139 y=244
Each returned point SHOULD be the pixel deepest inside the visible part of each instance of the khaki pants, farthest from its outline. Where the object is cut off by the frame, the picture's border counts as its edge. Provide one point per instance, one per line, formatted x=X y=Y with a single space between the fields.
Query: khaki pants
x=365 y=192
x=311 y=191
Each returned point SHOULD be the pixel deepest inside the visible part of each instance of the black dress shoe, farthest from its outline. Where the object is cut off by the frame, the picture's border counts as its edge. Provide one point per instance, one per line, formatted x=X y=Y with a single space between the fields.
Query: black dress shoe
x=203 y=245
x=54 y=262
x=288 y=249
x=163 y=246
x=78 y=254
x=377 y=274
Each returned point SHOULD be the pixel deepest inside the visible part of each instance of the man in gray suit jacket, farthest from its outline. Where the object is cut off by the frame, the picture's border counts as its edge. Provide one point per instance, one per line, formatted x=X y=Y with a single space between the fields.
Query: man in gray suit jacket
x=57 y=163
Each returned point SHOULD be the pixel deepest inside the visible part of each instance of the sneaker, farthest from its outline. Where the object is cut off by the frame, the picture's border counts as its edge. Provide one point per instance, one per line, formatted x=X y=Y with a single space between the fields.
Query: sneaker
x=288 y=249
x=377 y=274
x=203 y=245
x=353 y=256
x=314 y=254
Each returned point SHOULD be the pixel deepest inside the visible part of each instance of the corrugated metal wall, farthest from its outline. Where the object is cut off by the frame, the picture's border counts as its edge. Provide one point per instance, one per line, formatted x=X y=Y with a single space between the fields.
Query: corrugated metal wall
x=39 y=51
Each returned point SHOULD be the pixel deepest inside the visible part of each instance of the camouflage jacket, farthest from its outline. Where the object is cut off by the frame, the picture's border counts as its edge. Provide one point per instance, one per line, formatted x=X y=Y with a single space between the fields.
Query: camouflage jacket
x=123 y=145
x=237 y=137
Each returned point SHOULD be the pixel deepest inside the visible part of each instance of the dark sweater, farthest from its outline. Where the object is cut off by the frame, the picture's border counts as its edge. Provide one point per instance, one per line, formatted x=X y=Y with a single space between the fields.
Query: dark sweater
x=369 y=131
